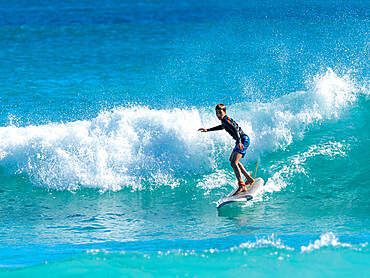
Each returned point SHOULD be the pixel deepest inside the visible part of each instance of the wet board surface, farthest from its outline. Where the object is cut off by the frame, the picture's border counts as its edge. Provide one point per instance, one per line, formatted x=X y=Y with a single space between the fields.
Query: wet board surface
x=243 y=197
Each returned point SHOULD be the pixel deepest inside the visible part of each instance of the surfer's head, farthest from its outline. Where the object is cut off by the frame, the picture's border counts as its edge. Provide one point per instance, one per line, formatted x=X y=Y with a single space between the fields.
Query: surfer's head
x=220 y=111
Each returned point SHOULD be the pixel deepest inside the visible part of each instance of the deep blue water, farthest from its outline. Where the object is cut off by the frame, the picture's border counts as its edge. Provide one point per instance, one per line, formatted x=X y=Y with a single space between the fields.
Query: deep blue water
x=103 y=171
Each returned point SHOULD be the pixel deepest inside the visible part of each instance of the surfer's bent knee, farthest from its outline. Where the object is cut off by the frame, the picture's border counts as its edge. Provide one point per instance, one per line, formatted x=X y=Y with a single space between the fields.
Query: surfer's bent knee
x=234 y=163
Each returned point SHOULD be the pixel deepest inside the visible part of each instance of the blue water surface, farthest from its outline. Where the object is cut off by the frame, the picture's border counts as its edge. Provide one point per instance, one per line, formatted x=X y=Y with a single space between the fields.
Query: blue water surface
x=102 y=169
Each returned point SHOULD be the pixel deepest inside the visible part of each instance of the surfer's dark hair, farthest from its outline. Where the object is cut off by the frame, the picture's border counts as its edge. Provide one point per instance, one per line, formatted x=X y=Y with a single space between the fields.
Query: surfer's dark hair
x=221 y=107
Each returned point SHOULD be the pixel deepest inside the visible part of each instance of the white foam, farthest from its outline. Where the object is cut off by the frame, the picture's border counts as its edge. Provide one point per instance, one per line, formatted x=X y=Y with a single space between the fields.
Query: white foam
x=263 y=242
x=120 y=148
x=294 y=165
x=219 y=178
x=325 y=240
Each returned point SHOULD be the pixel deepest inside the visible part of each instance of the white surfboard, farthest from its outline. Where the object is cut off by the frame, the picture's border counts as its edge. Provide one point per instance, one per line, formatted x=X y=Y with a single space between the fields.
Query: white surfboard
x=252 y=191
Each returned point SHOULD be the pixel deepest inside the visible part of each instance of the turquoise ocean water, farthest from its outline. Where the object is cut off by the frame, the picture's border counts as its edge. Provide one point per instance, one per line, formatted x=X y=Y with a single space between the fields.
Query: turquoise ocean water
x=103 y=171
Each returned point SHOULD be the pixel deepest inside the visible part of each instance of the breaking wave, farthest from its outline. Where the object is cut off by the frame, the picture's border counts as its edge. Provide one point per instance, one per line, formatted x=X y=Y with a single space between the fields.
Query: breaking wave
x=137 y=146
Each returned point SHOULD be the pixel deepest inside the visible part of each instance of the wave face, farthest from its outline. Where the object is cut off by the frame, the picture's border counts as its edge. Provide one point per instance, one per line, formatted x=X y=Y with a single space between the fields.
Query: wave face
x=137 y=146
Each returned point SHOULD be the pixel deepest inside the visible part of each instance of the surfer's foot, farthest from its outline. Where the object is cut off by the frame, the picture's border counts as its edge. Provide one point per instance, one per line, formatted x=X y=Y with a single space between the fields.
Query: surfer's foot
x=241 y=188
x=249 y=183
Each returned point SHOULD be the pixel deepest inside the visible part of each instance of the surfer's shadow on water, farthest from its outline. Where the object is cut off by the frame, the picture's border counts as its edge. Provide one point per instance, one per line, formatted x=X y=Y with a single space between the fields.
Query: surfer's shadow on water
x=243 y=219
x=243 y=213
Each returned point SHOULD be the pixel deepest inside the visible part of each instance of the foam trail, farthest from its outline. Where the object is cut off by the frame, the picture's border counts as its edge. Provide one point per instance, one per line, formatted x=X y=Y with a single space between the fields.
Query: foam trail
x=294 y=165
x=137 y=146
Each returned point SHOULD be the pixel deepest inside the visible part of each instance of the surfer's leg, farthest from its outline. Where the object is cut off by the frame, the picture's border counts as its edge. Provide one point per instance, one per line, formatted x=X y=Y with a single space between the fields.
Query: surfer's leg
x=234 y=159
x=250 y=180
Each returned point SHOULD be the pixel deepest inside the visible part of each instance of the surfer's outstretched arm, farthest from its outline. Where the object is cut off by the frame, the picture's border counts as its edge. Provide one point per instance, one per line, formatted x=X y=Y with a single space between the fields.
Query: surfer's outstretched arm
x=219 y=127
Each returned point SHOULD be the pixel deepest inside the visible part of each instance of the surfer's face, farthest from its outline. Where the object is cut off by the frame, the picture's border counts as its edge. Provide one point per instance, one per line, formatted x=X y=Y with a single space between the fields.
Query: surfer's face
x=220 y=114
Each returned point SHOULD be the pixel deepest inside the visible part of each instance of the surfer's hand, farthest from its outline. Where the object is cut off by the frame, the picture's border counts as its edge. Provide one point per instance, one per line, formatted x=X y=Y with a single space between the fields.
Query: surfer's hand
x=240 y=146
x=202 y=129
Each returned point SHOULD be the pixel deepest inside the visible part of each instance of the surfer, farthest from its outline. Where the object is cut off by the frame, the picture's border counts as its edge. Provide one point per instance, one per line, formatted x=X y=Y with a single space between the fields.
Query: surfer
x=241 y=145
